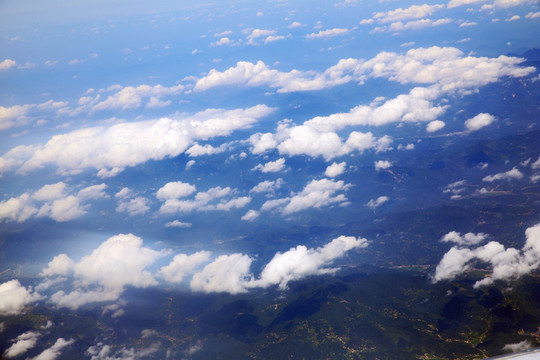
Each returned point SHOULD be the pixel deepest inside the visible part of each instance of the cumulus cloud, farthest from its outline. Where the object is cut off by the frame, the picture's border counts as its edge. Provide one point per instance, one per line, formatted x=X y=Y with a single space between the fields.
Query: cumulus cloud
x=204 y=201
x=467 y=239
x=22 y=344
x=435 y=125
x=316 y=194
x=335 y=169
x=382 y=164
x=14 y=297
x=271 y=166
x=300 y=262
x=227 y=273
x=178 y=224
x=479 y=121
x=412 y=12
x=375 y=203
x=54 y=351
x=175 y=190
x=111 y=149
x=325 y=34
x=513 y=174
x=520 y=346
x=51 y=201
x=250 y=215
x=60 y=265
x=15 y=115
x=135 y=206
x=183 y=265
x=455 y=3
x=118 y=262
x=505 y=263
x=267 y=186
x=7 y=64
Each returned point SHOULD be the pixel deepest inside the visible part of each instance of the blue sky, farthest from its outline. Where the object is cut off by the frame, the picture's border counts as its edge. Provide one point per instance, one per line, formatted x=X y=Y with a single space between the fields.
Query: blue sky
x=174 y=132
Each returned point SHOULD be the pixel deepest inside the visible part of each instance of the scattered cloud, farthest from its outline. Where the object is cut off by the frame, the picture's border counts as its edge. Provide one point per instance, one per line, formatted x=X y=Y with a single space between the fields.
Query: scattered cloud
x=54 y=351
x=468 y=239
x=517 y=347
x=183 y=265
x=271 y=166
x=267 y=186
x=205 y=201
x=325 y=34
x=22 y=344
x=505 y=263
x=14 y=297
x=435 y=125
x=335 y=169
x=479 y=121
x=178 y=224
x=250 y=215
x=412 y=12
x=7 y=64
x=509 y=175
x=382 y=165
x=373 y=204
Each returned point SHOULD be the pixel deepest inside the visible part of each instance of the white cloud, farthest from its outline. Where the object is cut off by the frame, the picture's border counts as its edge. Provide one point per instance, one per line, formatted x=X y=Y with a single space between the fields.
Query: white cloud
x=509 y=175
x=316 y=194
x=118 y=262
x=335 y=169
x=271 y=166
x=54 y=351
x=135 y=206
x=201 y=150
x=373 y=204
x=505 y=263
x=60 y=265
x=227 y=273
x=7 y=64
x=267 y=186
x=412 y=12
x=222 y=41
x=111 y=149
x=15 y=115
x=479 y=121
x=435 y=125
x=178 y=224
x=382 y=164
x=294 y=24
x=467 y=239
x=203 y=202
x=532 y=15
x=413 y=25
x=22 y=344
x=250 y=215
x=468 y=23
x=183 y=265
x=58 y=204
x=456 y=3
x=175 y=190
x=517 y=347
x=256 y=34
x=513 y=18
x=325 y=34
x=14 y=297
x=130 y=98
x=300 y=262
x=536 y=164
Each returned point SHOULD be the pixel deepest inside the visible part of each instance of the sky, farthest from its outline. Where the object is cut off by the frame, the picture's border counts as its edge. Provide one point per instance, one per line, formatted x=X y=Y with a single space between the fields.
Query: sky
x=148 y=144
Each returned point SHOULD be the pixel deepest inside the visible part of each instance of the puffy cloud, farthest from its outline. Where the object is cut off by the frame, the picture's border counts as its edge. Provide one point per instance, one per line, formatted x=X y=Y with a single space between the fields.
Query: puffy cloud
x=335 y=169
x=203 y=202
x=223 y=41
x=58 y=205
x=532 y=15
x=382 y=164
x=504 y=4
x=300 y=262
x=14 y=116
x=520 y=346
x=412 y=25
x=175 y=190
x=110 y=149
x=505 y=263
x=316 y=194
x=271 y=166
x=129 y=97
x=183 y=265
x=118 y=262
x=467 y=239
x=250 y=215
x=325 y=34
x=178 y=224
x=513 y=174
x=256 y=34
x=479 y=121
x=22 y=344
x=227 y=273
x=536 y=165
x=135 y=206
x=7 y=64
x=54 y=351
x=412 y=12
x=60 y=265
x=200 y=150
x=435 y=125
x=455 y=3
x=267 y=186
x=14 y=297
x=373 y=204
x=262 y=142
x=101 y=351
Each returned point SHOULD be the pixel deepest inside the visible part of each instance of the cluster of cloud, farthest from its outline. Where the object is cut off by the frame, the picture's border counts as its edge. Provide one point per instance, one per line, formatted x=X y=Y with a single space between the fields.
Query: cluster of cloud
x=174 y=193
x=509 y=175
x=53 y=201
x=253 y=37
x=122 y=261
x=375 y=203
x=505 y=263
x=28 y=340
x=129 y=203
x=18 y=115
x=111 y=149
